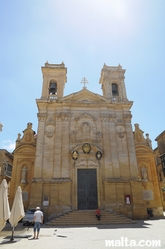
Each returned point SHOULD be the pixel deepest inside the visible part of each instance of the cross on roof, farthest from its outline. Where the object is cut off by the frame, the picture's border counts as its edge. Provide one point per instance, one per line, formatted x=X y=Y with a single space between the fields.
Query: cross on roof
x=84 y=81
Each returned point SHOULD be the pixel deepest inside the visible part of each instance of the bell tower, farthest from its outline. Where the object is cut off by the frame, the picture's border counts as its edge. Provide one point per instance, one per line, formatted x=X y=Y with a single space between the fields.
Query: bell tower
x=112 y=81
x=54 y=79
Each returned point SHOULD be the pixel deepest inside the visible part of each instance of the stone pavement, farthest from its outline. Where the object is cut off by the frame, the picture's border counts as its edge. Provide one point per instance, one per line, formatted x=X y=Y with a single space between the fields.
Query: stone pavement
x=86 y=237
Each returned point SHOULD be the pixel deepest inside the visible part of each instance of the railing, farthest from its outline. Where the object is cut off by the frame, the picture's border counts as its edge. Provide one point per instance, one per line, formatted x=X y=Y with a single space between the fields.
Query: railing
x=52 y=96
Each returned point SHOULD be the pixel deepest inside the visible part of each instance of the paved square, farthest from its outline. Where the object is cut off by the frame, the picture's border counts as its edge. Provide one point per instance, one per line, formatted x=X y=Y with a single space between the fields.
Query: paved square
x=91 y=237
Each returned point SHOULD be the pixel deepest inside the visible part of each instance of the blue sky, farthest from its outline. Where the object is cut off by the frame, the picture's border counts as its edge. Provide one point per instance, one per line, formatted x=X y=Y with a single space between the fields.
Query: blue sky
x=84 y=35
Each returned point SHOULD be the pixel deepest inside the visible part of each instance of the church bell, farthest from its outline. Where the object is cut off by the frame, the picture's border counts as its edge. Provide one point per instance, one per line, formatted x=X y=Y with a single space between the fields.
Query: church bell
x=53 y=88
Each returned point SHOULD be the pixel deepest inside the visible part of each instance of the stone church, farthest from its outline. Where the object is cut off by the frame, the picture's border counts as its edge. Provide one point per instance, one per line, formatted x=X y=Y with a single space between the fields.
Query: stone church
x=85 y=153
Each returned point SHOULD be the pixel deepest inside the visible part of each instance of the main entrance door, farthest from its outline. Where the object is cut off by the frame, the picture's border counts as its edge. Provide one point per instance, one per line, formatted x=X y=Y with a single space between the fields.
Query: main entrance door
x=87 y=189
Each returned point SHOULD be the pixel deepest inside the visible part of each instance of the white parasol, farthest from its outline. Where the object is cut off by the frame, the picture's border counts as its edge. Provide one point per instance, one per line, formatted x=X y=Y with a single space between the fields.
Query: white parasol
x=4 y=204
x=17 y=211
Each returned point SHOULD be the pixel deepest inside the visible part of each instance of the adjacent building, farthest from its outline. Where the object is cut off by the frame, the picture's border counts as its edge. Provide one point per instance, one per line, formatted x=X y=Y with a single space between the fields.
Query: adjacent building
x=160 y=164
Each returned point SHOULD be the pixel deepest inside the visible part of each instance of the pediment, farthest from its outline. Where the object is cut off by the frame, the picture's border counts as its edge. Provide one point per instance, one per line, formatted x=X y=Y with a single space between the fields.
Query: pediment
x=84 y=96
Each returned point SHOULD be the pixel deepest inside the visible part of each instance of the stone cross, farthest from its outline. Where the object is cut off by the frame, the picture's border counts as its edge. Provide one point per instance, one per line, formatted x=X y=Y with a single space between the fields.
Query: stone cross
x=84 y=81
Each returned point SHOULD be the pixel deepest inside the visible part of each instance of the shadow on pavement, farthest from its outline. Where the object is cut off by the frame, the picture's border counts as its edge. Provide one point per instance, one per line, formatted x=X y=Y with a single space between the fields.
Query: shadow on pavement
x=17 y=238
x=8 y=242
x=139 y=224
x=61 y=236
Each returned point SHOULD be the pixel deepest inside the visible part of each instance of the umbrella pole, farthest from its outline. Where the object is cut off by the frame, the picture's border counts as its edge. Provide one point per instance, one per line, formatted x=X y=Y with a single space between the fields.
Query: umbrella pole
x=12 y=235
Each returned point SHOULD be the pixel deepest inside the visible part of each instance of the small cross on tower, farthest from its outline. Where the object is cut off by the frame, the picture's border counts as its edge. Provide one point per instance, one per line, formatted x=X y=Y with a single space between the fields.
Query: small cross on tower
x=84 y=81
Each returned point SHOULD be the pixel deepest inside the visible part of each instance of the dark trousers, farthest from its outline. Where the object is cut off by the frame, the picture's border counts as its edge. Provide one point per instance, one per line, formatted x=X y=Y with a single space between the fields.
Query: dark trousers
x=98 y=216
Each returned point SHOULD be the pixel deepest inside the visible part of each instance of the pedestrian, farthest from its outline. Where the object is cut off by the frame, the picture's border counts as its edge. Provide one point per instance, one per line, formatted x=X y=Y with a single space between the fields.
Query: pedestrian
x=38 y=220
x=98 y=213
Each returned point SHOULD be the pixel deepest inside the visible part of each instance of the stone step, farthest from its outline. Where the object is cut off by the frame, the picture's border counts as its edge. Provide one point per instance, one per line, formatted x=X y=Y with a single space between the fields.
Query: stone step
x=87 y=217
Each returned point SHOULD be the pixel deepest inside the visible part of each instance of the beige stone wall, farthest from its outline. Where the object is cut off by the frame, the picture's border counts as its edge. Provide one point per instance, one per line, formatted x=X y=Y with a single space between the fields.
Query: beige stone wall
x=159 y=151
x=23 y=165
x=151 y=192
x=5 y=159
x=61 y=130
x=65 y=124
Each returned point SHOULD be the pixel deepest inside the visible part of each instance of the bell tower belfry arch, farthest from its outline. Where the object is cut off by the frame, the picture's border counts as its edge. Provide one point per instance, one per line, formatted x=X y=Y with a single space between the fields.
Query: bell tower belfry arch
x=112 y=81
x=54 y=79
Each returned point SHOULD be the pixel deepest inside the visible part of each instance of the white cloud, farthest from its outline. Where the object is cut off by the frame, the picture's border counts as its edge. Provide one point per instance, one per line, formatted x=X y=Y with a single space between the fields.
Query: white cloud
x=8 y=145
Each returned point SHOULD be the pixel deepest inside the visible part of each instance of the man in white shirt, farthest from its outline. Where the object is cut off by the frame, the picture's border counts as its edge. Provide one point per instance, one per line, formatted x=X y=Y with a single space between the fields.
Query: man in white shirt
x=38 y=220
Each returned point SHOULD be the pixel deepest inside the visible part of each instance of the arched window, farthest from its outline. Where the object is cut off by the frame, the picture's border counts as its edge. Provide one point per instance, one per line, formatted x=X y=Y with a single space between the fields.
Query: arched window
x=115 y=89
x=53 y=88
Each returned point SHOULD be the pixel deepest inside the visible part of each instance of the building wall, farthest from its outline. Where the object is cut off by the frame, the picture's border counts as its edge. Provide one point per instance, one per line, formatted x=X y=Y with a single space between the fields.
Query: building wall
x=65 y=125
x=6 y=162
x=23 y=165
x=160 y=167
x=86 y=131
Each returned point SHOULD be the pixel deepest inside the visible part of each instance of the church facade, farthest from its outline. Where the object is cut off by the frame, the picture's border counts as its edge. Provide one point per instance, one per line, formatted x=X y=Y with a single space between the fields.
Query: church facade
x=85 y=154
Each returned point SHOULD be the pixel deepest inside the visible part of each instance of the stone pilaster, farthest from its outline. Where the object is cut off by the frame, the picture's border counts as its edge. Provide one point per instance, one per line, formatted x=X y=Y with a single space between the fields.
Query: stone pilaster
x=131 y=147
x=40 y=146
x=107 y=156
x=113 y=148
x=57 y=173
x=65 y=172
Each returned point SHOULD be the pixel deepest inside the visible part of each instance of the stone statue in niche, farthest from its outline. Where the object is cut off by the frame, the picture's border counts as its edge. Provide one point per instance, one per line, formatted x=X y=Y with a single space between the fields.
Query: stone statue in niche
x=24 y=175
x=144 y=174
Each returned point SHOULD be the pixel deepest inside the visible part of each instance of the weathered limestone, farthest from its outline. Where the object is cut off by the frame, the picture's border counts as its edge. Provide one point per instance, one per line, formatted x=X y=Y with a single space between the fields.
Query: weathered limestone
x=23 y=165
x=87 y=155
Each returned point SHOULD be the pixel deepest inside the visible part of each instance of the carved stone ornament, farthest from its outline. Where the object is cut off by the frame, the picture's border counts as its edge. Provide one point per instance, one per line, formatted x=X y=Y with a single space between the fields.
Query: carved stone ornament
x=85 y=130
x=98 y=155
x=50 y=123
x=86 y=148
x=41 y=116
x=49 y=131
x=148 y=195
x=120 y=131
x=75 y=155
x=28 y=136
x=127 y=118
x=138 y=135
